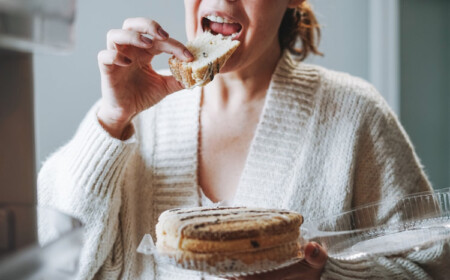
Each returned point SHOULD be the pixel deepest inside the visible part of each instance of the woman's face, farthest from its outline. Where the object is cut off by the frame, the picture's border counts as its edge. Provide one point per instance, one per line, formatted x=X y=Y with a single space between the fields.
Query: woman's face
x=254 y=23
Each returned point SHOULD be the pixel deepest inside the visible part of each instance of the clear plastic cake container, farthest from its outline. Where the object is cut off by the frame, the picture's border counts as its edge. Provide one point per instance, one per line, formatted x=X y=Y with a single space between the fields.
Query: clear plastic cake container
x=227 y=267
x=414 y=223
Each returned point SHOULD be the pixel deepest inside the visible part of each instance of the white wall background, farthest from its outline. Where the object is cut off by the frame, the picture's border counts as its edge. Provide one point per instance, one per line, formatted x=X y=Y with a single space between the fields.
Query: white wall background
x=425 y=82
x=345 y=35
x=66 y=86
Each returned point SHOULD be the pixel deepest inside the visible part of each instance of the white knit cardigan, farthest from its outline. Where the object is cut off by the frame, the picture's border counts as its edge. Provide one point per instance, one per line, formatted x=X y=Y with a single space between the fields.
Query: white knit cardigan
x=326 y=142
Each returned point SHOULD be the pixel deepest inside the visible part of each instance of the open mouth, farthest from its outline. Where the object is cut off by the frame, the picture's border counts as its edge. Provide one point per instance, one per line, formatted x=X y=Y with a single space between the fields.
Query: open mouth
x=219 y=25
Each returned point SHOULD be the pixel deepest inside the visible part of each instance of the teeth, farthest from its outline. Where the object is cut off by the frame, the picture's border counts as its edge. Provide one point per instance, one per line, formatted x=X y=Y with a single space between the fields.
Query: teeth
x=218 y=19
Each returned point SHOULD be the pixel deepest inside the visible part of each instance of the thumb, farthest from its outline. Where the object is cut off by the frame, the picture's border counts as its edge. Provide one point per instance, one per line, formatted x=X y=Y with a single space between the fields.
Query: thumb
x=172 y=84
x=315 y=255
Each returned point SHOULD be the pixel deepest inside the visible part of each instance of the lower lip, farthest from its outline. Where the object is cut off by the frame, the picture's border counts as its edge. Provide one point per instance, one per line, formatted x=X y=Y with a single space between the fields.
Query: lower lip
x=235 y=37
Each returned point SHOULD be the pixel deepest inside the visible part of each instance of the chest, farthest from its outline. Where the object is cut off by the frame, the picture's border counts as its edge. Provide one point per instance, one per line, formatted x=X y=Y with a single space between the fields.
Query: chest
x=224 y=144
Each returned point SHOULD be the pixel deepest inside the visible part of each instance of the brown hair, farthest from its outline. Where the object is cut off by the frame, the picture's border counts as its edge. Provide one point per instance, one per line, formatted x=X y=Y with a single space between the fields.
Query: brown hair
x=300 y=23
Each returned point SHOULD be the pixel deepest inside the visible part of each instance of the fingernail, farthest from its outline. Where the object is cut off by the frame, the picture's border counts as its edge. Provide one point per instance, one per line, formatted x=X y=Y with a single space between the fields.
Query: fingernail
x=163 y=33
x=146 y=40
x=315 y=252
x=188 y=54
x=127 y=60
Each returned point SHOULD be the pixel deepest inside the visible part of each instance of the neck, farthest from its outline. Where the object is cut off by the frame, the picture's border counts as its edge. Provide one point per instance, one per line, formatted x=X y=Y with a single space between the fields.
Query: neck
x=244 y=85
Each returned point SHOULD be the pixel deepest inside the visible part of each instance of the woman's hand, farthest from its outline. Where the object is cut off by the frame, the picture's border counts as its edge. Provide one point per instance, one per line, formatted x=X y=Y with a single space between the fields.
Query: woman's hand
x=310 y=268
x=129 y=83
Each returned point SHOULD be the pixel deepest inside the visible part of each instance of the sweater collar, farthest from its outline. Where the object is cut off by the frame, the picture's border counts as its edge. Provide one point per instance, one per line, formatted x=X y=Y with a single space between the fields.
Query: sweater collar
x=280 y=134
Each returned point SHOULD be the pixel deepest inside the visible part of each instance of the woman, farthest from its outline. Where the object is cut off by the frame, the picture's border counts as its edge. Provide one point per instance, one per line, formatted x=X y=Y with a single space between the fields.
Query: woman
x=270 y=131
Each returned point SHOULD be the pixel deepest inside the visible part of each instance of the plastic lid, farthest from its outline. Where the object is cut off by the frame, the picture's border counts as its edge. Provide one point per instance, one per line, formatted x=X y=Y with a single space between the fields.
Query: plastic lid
x=411 y=223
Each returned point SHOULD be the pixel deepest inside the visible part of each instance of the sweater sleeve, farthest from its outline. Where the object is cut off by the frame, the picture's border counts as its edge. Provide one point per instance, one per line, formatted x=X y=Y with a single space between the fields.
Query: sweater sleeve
x=83 y=179
x=385 y=169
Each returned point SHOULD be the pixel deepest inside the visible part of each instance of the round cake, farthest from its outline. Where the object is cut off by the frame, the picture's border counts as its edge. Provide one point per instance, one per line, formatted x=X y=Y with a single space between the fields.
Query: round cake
x=227 y=239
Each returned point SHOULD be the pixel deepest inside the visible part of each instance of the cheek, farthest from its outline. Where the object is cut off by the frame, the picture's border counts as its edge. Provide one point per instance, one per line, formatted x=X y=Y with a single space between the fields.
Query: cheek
x=191 y=11
x=265 y=18
x=263 y=29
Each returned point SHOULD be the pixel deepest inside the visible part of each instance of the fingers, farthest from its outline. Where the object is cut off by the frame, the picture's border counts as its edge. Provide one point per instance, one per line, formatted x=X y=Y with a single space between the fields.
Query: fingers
x=132 y=38
x=315 y=255
x=146 y=26
x=112 y=57
x=138 y=41
x=172 y=46
x=161 y=41
x=126 y=37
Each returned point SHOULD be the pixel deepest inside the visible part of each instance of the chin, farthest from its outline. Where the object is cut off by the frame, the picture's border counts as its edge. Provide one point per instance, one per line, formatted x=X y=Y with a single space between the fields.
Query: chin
x=228 y=67
x=234 y=63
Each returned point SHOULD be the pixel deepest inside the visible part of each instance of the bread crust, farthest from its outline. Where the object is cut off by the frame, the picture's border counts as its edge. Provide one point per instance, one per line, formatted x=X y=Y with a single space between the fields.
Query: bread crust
x=181 y=73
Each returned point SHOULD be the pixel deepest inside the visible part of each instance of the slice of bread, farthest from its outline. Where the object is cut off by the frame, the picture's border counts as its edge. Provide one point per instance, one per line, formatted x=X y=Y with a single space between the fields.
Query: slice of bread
x=210 y=54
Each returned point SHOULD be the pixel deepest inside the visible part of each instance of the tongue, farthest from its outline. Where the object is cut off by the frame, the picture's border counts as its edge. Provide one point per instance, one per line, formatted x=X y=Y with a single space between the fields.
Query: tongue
x=225 y=29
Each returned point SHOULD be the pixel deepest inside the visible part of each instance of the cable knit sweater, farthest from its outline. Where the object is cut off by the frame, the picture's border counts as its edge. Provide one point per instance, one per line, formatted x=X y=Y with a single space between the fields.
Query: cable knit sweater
x=326 y=142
